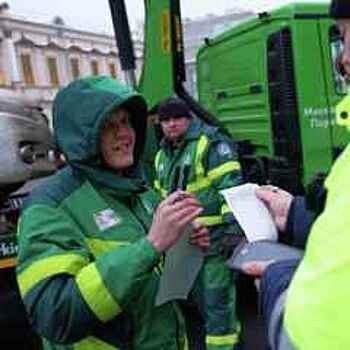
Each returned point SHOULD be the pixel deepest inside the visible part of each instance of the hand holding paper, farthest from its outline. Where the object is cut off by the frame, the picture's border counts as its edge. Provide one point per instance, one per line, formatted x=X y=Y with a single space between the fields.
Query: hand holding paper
x=250 y=212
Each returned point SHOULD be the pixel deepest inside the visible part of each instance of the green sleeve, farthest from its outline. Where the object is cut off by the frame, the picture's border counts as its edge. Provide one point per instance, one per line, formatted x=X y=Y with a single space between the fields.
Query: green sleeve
x=53 y=256
x=224 y=169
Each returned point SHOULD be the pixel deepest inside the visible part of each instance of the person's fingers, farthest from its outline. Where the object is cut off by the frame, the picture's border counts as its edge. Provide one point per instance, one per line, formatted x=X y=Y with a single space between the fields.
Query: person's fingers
x=173 y=198
x=187 y=203
x=203 y=236
x=177 y=196
x=201 y=244
x=197 y=225
x=269 y=188
x=185 y=216
x=256 y=268
x=265 y=194
x=198 y=233
x=200 y=239
x=257 y=283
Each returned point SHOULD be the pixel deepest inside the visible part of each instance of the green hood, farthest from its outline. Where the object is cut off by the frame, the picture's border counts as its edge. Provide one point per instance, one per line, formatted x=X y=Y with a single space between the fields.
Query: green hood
x=79 y=112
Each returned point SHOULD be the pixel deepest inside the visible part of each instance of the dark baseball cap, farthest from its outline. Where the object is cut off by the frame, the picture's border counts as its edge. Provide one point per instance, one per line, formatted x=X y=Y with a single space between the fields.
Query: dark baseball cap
x=173 y=108
x=340 y=9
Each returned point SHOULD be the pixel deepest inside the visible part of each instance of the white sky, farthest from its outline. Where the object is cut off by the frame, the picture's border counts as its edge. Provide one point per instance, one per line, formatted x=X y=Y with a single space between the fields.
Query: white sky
x=94 y=14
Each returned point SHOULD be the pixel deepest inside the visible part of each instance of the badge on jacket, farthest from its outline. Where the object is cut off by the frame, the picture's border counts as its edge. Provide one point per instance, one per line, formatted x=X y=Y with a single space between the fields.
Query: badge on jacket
x=224 y=149
x=106 y=219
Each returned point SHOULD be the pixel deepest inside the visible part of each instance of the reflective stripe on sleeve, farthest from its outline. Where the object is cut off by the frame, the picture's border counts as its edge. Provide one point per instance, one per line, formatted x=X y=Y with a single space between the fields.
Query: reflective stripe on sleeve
x=47 y=267
x=101 y=246
x=206 y=181
x=223 y=169
x=201 y=148
x=93 y=343
x=210 y=220
x=228 y=339
x=159 y=188
x=96 y=295
x=225 y=209
x=198 y=185
x=157 y=160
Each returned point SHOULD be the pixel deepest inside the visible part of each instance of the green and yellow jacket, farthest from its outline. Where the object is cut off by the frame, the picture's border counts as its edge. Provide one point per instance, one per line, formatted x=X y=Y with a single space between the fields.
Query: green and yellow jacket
x=204 y=164
x=87 y=274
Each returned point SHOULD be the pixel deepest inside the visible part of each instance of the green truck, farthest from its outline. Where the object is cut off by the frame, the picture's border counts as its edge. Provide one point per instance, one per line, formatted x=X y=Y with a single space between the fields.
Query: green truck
x=271 y=82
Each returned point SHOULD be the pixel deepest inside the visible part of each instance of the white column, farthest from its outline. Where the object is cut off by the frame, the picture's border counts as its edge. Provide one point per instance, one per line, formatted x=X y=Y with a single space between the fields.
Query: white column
x=40 y=67
x=85 y=65
x=103 y=61
x=63 y=67
x=10 y=61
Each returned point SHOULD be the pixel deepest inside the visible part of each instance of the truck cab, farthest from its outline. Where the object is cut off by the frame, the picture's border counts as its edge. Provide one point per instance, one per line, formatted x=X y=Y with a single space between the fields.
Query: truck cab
x=271 y=82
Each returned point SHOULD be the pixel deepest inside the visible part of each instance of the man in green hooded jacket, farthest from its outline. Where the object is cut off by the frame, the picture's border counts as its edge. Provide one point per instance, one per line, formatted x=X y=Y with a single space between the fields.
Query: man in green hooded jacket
x=89 y=251
x=198 y=158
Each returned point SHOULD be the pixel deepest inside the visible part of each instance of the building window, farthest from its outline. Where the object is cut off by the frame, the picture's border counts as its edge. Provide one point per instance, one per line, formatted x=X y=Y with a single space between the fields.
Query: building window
x=94 y=67
x=74 y=65
x=3 y=80
x=27 y=69
x=53 y=71
x=112 y=70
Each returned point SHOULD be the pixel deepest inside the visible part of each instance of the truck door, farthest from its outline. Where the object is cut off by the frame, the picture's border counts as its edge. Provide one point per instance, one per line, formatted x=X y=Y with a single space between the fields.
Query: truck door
x=336 y=87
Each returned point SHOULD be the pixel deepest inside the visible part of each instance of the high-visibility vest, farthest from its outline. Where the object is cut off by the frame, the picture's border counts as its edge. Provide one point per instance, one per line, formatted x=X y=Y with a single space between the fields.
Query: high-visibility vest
x=199 y=181
x=318 y=303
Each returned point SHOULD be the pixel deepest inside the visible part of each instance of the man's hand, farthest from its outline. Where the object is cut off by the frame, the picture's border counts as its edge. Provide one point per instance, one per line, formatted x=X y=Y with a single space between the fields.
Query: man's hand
x=256 y=269
x=278 y=203
x=171 y=218
x=200 y=236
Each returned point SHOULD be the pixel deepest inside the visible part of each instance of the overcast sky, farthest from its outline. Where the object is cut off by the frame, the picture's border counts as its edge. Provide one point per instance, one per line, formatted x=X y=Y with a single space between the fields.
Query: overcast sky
x=94 y=14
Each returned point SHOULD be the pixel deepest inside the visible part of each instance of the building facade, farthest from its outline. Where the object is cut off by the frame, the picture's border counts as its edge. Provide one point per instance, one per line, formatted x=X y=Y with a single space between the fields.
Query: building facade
x=36 y=59
x=197 y=29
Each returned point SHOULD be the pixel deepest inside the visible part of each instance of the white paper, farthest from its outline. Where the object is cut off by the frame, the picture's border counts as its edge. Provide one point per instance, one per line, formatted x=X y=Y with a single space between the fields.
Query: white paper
x=250 y=212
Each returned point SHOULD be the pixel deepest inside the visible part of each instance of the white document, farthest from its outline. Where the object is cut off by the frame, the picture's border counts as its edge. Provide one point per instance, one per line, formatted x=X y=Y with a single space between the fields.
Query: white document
x=250 y=212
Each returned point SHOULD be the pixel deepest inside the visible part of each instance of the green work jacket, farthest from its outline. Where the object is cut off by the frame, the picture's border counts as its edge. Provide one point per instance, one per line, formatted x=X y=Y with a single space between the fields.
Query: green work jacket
x=204 y=164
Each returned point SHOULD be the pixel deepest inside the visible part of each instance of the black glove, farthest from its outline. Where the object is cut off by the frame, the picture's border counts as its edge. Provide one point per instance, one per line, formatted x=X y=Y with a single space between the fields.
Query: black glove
x=316 y=194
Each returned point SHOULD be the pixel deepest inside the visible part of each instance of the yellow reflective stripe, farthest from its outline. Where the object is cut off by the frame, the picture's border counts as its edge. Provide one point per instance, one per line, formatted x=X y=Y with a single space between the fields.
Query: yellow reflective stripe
x=47 y=267
x=159 y=268
x=198 y=185
x=229 y=339
x=100 y=246
x=96 y=295
x=223 y=169
x=225 y=209
x=93 y=343
x=211 y=220
x=157 y=160
x=159 y=188
x=201 y=148
x=157 y=185
x=203 y=182
x=185 y=346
